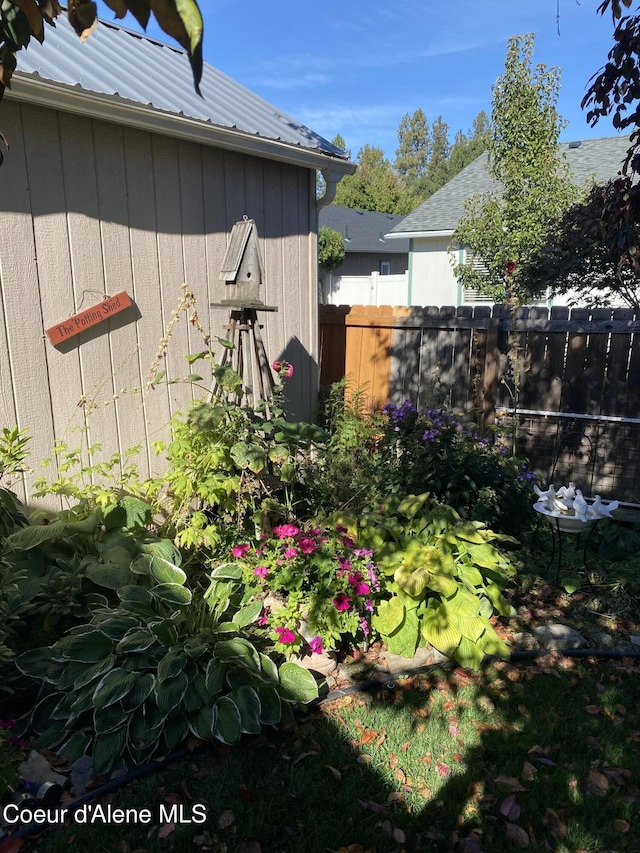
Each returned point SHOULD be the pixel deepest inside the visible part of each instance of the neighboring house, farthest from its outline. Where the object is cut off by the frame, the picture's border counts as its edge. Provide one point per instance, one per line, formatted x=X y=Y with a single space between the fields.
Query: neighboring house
x=430 y=227
x=368 y=254
x=119 y=178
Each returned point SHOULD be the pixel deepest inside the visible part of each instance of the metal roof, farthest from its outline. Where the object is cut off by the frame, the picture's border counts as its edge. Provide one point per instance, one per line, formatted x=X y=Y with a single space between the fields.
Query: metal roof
x=599 y=160
x=363 y=230
x=127 y=67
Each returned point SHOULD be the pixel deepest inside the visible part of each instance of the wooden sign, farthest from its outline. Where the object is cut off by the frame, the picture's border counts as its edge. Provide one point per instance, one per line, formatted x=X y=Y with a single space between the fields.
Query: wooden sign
x=91 y=317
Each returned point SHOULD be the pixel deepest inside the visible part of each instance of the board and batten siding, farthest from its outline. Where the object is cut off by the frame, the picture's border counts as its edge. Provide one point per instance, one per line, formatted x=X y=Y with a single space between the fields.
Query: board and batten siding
x=89 y=208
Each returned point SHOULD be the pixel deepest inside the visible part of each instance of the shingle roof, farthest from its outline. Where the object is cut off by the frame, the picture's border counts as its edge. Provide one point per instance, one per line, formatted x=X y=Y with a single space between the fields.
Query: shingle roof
x=598 y=159
x=365 y=229
x=129 y=67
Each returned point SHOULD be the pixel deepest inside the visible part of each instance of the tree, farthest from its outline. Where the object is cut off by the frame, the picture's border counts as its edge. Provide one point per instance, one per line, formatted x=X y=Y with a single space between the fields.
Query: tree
x=593 y=250
x=330 y=249
x=466 y=148
x=21 y=19
x=504 y=228
x=374 y=186
x=414 y=147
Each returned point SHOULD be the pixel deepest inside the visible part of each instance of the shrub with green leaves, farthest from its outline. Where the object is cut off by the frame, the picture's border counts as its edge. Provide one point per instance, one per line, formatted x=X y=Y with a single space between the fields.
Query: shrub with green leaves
x=444 y=579
x=138 y=679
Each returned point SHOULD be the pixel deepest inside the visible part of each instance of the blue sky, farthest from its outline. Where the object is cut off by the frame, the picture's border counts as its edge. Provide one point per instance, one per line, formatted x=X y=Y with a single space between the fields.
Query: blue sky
x=356 y=67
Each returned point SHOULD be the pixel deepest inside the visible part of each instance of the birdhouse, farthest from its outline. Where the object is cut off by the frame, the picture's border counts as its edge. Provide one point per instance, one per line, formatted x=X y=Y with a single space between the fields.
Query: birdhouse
x=242 y=267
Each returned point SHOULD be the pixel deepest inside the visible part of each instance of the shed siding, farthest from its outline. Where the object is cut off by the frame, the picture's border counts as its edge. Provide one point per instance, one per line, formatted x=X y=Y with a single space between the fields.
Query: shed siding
x=89 y=208
x=364 y=263
x=432 y=278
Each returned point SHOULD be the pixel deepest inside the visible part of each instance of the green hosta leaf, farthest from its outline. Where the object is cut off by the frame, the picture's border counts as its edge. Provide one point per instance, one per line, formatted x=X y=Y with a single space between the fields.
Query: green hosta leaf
x=130 y=512
x=163 y=548
x=107 y=750
x=469 y=654
x=491 y=644
x=51 y=737
x=90 y=647
x=463 y=603
x=83 y=701
x=109 y=719
x=136 y=640
x=235 y=650
x=203 y=723
x=485 y=555
x=171 y=665
x=137 y=594
x=76 y=746
x=249 y=456
x=404 y=640
x=169 y=693
x=173 y=593
x=248 y=703
x=175 y=731
x=35 y=662
x=112 y=571
x=165 y=631
x=571 y=584
x=227 y=725
x=468 y=532
x=438 y=630
x=412 y=505
x=270 y=705
x=165 y=572
x=500 y=603
x=389 y=616
x=115 y=626
x=248 y=614
x=37 y=534
x=142 y=565
x=298 y=683
x=472 y=627
x=269 y=668
x=141 y=690
x=413 y=582
x=228 y=571
x=112 y=687
x=91 y=673
x=443 y=585
x=470 y=575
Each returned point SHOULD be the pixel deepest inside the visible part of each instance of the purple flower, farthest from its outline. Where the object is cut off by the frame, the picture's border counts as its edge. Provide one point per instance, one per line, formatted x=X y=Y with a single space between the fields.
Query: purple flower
x=290 y=553
x=285 y=531
x=362 y=588
x=364 y=624
x=342 y=601
x=368 y=605
x=261 y=571
x=285 y=636
x=264 y=618
x=307 y=545
x=239 y=550
x=316 y=645
x=363 y=552
x=430 y=434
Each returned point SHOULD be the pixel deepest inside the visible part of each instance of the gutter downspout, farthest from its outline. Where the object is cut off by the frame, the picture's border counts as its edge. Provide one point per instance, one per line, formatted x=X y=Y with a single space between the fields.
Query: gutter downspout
x=331 y=177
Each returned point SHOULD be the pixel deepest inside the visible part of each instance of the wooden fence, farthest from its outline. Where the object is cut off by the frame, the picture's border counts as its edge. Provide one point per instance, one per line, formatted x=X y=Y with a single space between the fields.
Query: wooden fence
x=577 y=412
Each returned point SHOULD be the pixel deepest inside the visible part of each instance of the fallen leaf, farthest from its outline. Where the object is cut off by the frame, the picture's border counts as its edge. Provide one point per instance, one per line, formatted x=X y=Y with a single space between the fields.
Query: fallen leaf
x=442 y=769
x=227 y=819
x=621 y=825
x=399 y=836
x=509 y=808
x=368 y=737
x=454 y=731
x=425 y=793
x=529 y=772
x=334 y=772
x=364 y=759
x=598 y=782
x=517 y=835
x=508 y=784
x=405 y=746
x=166 y=830
x=249 y=846
x=12 y=845
x=554 y=824
x=371 y=806
x=395 y=798
x=303 y=756
x=401 y=776
x=592 y=709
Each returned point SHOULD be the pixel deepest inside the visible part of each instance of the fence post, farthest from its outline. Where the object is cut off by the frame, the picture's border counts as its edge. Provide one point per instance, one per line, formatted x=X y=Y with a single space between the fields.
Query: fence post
x=491 y=372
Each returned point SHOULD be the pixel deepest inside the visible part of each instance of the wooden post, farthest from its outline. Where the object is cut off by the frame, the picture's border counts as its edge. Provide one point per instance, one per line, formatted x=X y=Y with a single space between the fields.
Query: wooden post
x=491 y=373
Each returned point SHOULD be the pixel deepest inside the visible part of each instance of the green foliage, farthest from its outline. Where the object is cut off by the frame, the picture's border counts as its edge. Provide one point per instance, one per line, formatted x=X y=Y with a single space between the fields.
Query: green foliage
x=138 y=678
x=330 y=249
x=13 y=452
x=10 y=757
x=445 y=579
x=506 y=228
x=374 y=186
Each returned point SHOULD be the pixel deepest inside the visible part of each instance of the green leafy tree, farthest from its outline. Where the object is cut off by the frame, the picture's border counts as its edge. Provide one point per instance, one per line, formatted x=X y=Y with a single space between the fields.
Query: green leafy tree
x=414 y=147
x=374 y=186
x=22 y=19
x=467 y=147
x=330 y=249
x=505 y=228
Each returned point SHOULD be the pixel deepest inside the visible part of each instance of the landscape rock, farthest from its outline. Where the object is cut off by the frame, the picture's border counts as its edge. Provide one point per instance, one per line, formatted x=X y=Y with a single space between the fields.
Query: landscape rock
x=37 y=769
x=423 y=657
x=559 y=637
x=525 y=641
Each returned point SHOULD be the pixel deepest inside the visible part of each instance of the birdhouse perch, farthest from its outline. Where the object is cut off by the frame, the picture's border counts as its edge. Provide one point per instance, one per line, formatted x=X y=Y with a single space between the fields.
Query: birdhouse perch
x=242 y=267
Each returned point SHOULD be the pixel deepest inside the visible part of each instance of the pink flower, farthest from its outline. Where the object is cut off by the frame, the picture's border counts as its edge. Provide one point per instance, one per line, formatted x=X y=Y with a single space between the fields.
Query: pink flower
x=364 y=625
x=341 y=529
x=290 y=553
x=342 y=601
x=510 y=267
x=348 y=542
x=368 y=605
x=362 y=589
x=285 y=636
x=277 y=365
x=354 y=578
x=307 y=545
x=264 y=618
x=316 y=645
x=239 y=550
x=261 y=571
x=344 y=564
x=284 y=531
x=363 y=552
x=288 y=371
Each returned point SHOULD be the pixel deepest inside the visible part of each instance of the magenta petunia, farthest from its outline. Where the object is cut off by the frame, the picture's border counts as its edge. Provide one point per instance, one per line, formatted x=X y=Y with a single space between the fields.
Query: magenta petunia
x=364 y=625
x=290 y=553
x=354 y=577
x=239 y=550
x=307 y=545
x=285 y=636
x=363 y=552
x=261 y=571
x=362 y=588
x=342 y=601
x=316 y=645
x=264 y=618
x=288 y=371
x=284 y=531
x=277 y=365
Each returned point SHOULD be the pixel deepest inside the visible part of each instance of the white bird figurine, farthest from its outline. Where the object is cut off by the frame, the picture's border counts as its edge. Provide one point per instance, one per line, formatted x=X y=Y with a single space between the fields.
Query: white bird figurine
x=602 y=510
x=567 y=493
x=547 y=497
x=580 y=506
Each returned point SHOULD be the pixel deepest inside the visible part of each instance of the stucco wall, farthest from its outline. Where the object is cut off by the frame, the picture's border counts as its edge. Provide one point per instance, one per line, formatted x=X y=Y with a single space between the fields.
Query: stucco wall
x=89 y=208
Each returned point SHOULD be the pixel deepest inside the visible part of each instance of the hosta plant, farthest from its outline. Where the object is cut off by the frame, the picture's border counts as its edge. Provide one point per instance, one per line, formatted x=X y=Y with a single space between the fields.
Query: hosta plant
x=138 y=679
x=444 y=579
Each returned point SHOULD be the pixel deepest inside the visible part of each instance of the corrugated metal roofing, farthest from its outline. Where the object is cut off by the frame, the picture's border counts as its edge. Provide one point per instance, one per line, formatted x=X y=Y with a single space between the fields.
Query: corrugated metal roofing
x=117 y=62
x=597 y=159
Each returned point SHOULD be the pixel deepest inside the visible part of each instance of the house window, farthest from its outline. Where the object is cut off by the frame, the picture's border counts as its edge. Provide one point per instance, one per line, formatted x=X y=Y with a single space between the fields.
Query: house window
x=385 y=267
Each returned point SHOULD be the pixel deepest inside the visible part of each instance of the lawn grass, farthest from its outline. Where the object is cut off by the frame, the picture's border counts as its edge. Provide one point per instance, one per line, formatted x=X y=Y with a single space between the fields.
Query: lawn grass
x=541 y=756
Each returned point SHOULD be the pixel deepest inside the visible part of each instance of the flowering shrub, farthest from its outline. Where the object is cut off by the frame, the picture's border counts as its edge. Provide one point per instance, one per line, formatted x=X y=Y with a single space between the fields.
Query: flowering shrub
x=318 y=588
x=438 y=451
